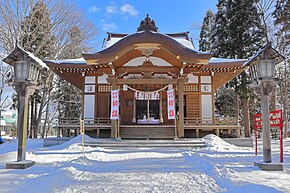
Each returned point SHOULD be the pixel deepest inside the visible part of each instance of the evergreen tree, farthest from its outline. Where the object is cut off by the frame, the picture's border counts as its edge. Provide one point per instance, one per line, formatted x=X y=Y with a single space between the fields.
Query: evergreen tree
x=282 y=19
x=246 y=33
x=68 y=97
x=238 y=34
x=225 y=101
x=282 y=22
x=69 y=100
x=36 y=32
x=36 y=37
x=206 y=31
x=219 y=36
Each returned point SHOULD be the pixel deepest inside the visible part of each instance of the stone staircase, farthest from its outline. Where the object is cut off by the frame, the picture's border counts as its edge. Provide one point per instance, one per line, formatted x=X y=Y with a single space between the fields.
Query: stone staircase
x=147 y=132
x=192 y=143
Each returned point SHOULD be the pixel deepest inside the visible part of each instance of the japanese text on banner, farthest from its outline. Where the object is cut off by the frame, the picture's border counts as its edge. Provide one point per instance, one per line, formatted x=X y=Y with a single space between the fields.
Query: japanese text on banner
x=171 y=104
x=114 y=104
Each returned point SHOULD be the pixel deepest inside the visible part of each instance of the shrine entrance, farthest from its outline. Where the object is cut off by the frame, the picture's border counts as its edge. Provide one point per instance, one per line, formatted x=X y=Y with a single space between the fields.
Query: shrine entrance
x=147 y=111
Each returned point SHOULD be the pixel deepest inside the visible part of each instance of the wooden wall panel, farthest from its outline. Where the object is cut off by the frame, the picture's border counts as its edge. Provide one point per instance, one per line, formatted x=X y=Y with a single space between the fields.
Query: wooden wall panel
x=192 y=105
x=103 y=108
x=126 y=111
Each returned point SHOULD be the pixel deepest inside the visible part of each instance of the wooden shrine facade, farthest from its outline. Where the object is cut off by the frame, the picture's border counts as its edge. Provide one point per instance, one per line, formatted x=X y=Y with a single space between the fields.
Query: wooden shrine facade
x=143 y=66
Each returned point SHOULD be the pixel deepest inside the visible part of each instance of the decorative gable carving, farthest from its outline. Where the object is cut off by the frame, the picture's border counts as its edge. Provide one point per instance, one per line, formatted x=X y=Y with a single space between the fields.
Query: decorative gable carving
x=147 y=24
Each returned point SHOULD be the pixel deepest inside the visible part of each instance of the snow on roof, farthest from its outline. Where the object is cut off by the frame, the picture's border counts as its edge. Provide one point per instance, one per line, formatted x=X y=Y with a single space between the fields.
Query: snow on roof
x=184 y=42
x=71 y=61
x=222 y=60
x=181 y=40
x=279 y=58
x=33 y=57
x=112 y=41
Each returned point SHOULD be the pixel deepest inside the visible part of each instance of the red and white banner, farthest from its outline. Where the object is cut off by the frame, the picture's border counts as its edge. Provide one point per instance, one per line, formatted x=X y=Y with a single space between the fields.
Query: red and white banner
x=114 y=104
x=171 y=104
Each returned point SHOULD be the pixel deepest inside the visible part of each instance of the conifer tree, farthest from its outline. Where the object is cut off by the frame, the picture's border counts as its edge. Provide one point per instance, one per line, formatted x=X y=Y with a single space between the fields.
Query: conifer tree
x=68 y=97
x=282 y=22
x=238 y=34
x=206 y=31
x=282 y=19
x=219 y=36
x=35 y=30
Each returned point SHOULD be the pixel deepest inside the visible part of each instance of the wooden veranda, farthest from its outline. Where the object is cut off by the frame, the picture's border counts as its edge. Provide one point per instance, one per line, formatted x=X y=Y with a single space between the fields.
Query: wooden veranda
x=193 y=128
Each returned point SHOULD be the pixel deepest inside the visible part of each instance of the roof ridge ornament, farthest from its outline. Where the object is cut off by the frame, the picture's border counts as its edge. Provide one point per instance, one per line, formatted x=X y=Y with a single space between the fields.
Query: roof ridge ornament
x=147 y=24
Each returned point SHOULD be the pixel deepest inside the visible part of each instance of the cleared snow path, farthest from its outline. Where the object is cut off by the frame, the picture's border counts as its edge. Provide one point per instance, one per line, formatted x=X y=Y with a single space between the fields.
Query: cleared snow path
x=219 y=168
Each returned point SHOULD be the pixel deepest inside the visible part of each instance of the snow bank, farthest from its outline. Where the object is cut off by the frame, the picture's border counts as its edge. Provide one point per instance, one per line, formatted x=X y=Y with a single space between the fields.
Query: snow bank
x=216 y=143
x=74 y=141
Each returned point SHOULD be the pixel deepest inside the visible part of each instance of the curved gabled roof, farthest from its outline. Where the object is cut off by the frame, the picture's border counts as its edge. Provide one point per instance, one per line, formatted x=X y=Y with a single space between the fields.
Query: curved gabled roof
x=148 y=37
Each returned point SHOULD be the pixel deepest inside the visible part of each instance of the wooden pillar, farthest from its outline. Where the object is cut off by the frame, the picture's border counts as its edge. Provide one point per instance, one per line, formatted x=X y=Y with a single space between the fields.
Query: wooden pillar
x=238 y=132
x=160 y=108
x=197 y=133
x=180 y=130
x=148 y=109
x=217 y=132
x=114 y=123
x=134 y=110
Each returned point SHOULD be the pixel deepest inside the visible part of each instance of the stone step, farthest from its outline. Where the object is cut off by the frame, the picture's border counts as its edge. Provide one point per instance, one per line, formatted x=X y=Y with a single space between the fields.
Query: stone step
x=147 y=144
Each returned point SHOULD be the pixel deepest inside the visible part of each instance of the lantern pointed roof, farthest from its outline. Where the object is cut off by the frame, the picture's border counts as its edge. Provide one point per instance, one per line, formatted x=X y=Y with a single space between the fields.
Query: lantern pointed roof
x=266 y=52
x=20 y=53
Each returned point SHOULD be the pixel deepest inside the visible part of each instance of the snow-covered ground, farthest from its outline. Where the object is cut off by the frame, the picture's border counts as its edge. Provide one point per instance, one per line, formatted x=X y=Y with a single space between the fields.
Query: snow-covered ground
x=220 y=167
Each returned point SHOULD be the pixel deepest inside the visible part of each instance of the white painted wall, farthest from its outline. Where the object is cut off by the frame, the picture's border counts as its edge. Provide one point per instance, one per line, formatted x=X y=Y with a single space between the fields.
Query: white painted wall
x=205 y=79
x=103 y=79
x=206 y=106
x=89 y=106
x=206 y=88
x=192 y=79
x=90 y=88
x=90 y=80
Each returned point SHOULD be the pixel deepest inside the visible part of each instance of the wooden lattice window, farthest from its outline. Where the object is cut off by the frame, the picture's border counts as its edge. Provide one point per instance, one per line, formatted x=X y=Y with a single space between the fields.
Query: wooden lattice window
x=104 y=88
x=107 y=88
x=191 y=88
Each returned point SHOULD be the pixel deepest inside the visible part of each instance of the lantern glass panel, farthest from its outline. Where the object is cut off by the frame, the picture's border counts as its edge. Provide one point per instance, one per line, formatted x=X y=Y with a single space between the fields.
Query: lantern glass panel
x=32 y=72
x=21 y=70
x=267 y=69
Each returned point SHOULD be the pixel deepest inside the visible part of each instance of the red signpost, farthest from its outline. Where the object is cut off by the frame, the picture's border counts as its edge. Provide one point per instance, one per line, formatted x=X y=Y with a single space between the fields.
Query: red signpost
x=275 y=121
x=257 y=125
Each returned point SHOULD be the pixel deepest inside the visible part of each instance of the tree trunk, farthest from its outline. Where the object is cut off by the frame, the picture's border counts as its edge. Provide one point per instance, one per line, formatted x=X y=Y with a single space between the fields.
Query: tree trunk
x=31 y=116
x=246 y=116
x=238 y=109
x=284 y=114
x=273 y=100
x=46 y=117
x=35 y=120
x=27 y=123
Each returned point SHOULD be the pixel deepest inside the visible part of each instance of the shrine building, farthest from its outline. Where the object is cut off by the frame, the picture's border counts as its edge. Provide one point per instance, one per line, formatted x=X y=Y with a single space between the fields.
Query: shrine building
x=142 y=67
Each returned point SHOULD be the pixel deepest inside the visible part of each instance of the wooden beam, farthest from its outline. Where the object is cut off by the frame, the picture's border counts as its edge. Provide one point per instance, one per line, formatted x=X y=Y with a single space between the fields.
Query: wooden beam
x=144 y=81
x=136 y=69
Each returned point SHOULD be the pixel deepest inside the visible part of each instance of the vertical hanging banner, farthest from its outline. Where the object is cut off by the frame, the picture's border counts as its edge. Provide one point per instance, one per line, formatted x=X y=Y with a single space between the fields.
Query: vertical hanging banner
x=171 y=104
x=114 y=104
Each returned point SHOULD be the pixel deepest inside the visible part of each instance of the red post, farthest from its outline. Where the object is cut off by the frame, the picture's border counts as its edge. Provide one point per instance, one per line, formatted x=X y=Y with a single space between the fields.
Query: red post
x=281 y=137
x=257 y=125
x=277 y=121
